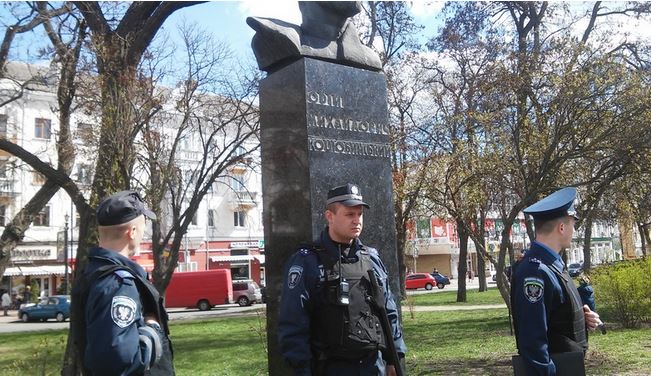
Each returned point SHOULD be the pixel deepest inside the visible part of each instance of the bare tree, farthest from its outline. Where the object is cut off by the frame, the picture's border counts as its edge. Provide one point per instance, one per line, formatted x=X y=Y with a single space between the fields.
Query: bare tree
x=66 y=55
x=215 y=119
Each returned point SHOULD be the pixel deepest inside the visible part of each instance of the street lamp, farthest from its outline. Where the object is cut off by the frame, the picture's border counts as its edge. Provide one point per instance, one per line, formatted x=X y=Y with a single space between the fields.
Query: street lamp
x=65 y=250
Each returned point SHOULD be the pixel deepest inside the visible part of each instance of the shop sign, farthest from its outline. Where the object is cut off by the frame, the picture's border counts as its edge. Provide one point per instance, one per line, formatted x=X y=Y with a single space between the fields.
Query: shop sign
x=32 y=254
x=252 y=244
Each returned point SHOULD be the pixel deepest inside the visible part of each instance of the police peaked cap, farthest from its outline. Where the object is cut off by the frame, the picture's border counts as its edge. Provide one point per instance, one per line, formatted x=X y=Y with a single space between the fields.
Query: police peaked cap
x=122 y=207
x=556 y=205
x=348 y=195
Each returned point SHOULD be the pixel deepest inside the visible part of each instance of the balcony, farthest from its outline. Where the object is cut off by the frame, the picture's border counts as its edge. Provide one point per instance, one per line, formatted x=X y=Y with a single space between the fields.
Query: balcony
x=7 y=188
x=241 y=166
x=244 y=199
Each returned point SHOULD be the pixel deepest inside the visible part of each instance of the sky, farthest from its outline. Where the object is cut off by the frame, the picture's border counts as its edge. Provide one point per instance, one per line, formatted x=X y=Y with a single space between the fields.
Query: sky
x=227 y=19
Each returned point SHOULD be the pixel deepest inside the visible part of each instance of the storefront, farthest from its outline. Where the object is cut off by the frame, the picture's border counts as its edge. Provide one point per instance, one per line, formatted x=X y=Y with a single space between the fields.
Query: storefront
x=245 y=259
x=34 y=265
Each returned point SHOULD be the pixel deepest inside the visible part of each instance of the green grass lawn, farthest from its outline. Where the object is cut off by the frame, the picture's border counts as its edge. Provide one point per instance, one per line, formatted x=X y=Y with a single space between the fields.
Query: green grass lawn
x=440 y=343
x=473 y=297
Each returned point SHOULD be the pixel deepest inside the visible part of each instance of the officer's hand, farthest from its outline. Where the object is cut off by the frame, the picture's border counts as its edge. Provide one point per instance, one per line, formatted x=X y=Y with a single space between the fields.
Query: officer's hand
x=391 y=370
x=591 y=318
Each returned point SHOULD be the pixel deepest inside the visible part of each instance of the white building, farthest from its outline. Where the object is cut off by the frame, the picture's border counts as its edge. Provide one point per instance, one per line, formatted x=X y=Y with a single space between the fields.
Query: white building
x=228 y=222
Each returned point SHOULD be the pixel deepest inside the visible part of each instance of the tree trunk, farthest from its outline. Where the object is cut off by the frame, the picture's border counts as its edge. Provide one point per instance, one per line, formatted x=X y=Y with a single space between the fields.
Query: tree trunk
x=462 y=268
x=503 y=283
x=644 y=237
x=401 y=240
x=481 y=271
x=587 y=243
x=14 y=232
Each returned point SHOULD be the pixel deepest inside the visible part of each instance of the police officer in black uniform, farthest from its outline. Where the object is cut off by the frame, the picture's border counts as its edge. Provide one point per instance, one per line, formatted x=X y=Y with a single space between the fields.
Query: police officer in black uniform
x=549 y=316
x=327 y=325
x=121 y=327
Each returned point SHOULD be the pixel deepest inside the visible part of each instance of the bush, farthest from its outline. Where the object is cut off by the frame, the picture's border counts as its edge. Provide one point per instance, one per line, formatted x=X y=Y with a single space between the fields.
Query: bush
x=623 y=291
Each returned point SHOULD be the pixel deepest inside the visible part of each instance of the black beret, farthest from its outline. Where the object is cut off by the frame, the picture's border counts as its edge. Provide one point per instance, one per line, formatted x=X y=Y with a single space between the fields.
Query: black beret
x=122 y=207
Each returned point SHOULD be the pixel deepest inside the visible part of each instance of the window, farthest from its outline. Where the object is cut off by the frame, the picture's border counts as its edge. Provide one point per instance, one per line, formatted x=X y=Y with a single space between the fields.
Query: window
x=42 y=219
x=85 y=131
x=3 y=214
x=42 y=128
x=237 y=183
x=3 y=125
x=238 y=218
x=187 y=267
x=240 y=151
x=240 y=269
x=211 y=217
x=239 y=272
x=4 y=165
x=195 y=220
x=83 y=174
x=188 y=177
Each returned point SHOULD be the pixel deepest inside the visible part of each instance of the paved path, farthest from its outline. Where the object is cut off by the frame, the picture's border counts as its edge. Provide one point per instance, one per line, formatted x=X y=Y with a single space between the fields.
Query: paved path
x=453 y=286
x=12 y=323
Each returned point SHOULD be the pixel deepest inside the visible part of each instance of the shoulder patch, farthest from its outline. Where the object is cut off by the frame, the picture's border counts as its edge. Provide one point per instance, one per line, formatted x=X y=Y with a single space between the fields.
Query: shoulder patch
x=123 y=274
x=294 y=276
x=534 y=289
x=123 y=311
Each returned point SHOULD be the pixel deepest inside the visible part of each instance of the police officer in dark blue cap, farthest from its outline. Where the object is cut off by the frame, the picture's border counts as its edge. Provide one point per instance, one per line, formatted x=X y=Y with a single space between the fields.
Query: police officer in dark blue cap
x=327 y=324
x=120 y=325
x=549 y=316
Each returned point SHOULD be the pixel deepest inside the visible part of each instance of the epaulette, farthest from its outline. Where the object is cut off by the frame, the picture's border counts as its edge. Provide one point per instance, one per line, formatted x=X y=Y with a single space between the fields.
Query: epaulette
x=123 y=274
x=534 y=260
x=371 y=251
x=307 y=248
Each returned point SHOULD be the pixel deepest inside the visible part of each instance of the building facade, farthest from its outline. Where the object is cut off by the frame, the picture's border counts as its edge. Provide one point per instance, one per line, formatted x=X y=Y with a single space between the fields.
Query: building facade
x=226 y=231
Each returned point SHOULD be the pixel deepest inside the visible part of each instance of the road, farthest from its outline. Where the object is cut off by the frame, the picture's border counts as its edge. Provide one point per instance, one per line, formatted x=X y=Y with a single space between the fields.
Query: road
x=11 y=323
x=454 y=284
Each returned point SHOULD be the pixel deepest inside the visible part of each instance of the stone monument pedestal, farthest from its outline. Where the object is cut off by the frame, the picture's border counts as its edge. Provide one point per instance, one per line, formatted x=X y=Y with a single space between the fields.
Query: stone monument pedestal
x=322 y=125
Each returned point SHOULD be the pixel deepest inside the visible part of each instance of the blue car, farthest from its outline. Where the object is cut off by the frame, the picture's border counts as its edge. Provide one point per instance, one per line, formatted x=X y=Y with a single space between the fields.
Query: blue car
x=575 y=269
x=55 y=307
x=441 y=280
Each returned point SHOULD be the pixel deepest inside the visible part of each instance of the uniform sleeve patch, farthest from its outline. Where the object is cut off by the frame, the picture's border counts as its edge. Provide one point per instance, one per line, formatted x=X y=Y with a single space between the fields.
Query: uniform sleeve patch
x=294 y=276
x=123 y=311
x=533 y=289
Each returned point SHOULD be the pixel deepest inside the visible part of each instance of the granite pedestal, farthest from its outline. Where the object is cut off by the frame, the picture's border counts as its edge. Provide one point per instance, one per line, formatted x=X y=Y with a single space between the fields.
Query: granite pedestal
x=322 y=125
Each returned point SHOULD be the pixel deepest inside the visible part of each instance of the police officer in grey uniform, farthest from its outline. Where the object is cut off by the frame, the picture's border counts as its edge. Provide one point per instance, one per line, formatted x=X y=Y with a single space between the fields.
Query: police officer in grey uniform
x=328 y=324
x=549 y=316
x=120 y=325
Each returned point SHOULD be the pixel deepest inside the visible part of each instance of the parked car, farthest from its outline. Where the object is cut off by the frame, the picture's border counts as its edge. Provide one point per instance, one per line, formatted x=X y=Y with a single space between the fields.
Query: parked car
x=423 y=280
x=55 y=307
x=246 y=293
x=441 y=280
x=575 y=269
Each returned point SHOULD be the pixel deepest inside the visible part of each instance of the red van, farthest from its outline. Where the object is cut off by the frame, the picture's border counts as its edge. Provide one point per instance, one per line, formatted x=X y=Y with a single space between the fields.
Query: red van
x=203 y=289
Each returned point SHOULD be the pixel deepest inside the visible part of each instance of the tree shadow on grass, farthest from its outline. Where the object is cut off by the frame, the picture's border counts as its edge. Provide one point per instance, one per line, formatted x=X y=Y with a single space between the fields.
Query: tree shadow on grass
x=464 y=367
x=596 y=363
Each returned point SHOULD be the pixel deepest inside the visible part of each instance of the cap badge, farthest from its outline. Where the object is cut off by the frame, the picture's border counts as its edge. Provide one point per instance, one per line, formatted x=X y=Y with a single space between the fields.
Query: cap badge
x=354 y=190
